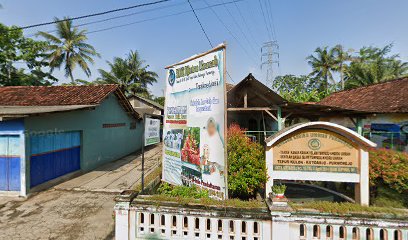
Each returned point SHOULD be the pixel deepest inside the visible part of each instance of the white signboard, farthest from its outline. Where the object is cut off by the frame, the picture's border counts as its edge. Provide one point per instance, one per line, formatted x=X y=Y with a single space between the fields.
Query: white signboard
x=194 y=123
x=152 y=131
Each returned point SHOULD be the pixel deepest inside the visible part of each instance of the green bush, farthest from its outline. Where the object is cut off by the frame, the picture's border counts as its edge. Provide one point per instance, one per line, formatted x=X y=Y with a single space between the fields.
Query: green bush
x=279 y=188
x=182 y=191
x=246 y=165
x=388 y=170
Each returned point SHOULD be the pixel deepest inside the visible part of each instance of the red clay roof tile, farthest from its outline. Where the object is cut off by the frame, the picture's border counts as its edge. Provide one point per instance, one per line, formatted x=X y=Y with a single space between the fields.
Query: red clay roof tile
x=386 y=97
x=54 y=95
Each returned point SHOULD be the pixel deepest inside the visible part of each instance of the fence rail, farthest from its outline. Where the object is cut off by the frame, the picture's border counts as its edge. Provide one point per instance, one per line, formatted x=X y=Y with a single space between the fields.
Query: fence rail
x=391 y=140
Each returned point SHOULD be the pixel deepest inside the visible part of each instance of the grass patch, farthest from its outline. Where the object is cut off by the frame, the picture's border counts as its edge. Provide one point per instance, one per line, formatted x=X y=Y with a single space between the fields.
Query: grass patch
x=387 y=197
x=149 y=178
x=185 y=195
x=237 y=203
x=347 y=208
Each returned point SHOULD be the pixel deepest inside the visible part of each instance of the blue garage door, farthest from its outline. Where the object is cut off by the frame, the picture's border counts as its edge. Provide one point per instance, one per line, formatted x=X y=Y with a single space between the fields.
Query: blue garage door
x=9 y=163
x=54 y=155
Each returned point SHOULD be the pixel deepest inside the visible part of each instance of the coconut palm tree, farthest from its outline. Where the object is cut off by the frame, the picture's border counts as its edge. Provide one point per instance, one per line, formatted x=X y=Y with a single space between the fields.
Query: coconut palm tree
x=69 y=48
x=130 y=74
x=323 y=63
x=342 y=57
x=373 y=65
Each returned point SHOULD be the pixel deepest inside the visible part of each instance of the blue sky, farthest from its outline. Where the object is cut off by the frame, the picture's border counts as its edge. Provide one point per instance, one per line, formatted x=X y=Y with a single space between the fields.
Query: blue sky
x=300 y=26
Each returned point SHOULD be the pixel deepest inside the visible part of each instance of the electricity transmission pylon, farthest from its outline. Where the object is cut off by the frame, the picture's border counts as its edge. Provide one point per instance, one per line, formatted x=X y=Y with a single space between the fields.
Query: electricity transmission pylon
x=269 y=58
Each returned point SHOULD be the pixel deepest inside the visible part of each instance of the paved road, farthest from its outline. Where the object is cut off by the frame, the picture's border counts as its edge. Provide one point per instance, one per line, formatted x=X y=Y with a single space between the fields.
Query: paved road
x=81 y=208
x=116 y=176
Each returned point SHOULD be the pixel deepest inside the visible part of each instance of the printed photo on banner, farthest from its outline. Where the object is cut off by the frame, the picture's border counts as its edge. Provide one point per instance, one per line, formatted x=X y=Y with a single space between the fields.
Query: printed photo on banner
x=194 y=123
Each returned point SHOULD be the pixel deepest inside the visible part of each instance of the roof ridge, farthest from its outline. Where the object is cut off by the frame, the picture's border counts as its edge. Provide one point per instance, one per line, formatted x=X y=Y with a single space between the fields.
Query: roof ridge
x=55 y=95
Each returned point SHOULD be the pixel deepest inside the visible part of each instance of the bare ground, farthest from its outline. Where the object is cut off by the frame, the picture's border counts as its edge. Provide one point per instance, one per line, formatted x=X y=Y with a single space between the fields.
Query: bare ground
x=80 y=208
x=56 y=214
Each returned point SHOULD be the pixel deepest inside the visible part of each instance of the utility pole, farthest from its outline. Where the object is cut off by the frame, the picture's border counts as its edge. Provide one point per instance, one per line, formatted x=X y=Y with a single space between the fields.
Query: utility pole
x=269 y=58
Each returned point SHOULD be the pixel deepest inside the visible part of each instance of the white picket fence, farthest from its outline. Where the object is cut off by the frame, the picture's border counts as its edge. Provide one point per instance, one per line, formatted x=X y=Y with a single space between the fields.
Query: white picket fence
x=171 y=222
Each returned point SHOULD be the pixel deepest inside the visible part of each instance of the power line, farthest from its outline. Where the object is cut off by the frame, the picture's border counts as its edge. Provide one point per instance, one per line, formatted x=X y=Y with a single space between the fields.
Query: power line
x=240 y=29
x=270 y=18
x=117 y=17
x=247 y=25
x=159 y=17
x=264 y=18
x=229 y=31
x=198 y=20
x=90 y=15
x=202 y=28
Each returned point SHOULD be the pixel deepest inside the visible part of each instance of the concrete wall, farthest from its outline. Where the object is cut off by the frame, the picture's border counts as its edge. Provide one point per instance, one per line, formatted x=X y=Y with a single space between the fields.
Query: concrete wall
x=99 y=144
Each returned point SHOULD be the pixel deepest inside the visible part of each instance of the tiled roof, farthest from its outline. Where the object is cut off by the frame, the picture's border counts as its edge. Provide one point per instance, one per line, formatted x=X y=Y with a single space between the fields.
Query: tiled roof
x=58 y=98
x=386 y=97
x=54 y=95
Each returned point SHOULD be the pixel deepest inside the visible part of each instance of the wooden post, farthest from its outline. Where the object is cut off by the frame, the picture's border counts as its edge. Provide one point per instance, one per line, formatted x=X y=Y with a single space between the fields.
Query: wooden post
x=225 y=121
x=143 y=145
x=246 y=99
x=280 y=122
x=360 y=126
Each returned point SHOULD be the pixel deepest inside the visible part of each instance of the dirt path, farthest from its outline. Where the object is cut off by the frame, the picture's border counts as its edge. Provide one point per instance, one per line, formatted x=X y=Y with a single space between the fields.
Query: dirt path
x=80 y=208
x=57 y=214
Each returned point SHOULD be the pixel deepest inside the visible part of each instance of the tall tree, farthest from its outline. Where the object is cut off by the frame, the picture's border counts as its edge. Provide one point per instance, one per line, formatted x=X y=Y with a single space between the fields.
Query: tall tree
x=130 y=73
x=323 y=63
x=298 y=88
x=22 y=59
x=69 y=48
x=374 y=65
x=342 y=57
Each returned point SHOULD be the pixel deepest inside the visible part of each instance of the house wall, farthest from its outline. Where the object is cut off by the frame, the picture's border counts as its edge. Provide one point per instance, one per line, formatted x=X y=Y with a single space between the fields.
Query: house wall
x=393 y=128
x=136 y=103
x=101 y=143
x=142 y=108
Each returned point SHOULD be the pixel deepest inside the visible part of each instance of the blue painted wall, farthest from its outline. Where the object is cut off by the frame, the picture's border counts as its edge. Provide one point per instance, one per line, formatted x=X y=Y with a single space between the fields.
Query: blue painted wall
x=11 y=126
x=54 y=155
x=12 y=156
x=10 y=163
x=99 y=145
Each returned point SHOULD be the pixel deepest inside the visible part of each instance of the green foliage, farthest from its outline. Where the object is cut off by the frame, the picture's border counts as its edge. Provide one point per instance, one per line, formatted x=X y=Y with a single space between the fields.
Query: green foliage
x=131 y=74
x=298 y=89
x=389 y=168
x=387 y=197
x=347 y=208
x=246 y=165
x=68 y=48
x=279 y=188
x=374 y=65
x=367 y=66
x=236 y=203
x=323 y=63
x=182 y=191
x=18 y=55
x=160 y=100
